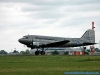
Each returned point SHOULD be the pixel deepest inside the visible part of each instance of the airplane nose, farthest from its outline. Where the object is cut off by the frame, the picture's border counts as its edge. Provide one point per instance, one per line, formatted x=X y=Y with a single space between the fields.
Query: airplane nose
x=24 y=41
x=20 y=40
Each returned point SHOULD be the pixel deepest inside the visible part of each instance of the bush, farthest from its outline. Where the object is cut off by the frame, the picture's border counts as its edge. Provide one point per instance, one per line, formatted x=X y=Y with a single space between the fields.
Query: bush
x=66 y=53
x=55 y=53
x=3 y=52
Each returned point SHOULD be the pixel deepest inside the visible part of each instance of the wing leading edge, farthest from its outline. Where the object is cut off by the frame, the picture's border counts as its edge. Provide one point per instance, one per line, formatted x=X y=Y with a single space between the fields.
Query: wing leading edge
x=55 y=44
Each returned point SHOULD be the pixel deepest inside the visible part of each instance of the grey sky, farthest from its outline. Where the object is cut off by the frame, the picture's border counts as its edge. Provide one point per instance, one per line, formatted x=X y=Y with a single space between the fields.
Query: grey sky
x=64 y=18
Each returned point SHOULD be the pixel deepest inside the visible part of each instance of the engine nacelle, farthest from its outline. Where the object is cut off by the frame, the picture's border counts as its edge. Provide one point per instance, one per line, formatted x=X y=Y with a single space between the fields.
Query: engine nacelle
x=36 y=44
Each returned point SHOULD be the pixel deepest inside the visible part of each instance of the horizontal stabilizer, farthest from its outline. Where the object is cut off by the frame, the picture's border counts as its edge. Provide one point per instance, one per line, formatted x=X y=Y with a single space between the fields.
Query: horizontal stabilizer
x=89 y=43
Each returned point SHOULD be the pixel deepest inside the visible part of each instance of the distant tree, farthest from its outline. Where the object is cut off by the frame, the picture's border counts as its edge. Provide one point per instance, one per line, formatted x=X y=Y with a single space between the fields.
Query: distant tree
x=55 y=53
x=22 y=52
x=66 y=53
x=88 y=50
x=15 y=51
x=97 y=49
x=3 y=52
x=27 y=51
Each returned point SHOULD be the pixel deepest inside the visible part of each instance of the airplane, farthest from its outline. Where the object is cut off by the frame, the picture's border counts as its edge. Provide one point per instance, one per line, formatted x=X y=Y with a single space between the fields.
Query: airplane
x=41 y=42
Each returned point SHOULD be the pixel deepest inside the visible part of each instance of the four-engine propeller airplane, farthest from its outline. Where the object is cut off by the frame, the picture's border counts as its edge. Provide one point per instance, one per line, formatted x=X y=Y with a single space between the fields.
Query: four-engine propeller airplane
x=37 y=41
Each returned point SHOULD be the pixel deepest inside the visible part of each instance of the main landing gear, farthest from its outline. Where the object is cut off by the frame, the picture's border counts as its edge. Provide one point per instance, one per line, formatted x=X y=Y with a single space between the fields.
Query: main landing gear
x=37 y=52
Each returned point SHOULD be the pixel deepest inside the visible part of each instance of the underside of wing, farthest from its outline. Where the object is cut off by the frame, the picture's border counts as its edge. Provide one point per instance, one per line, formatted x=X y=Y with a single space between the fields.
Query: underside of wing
x=55 y=44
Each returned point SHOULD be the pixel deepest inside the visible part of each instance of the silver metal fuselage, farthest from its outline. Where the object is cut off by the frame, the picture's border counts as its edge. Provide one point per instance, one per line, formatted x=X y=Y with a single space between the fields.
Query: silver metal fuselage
x=39 y=40
x=33 y=41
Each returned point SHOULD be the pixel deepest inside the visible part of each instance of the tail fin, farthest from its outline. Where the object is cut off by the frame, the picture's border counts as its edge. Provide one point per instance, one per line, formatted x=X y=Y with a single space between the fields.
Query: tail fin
x=89 y=36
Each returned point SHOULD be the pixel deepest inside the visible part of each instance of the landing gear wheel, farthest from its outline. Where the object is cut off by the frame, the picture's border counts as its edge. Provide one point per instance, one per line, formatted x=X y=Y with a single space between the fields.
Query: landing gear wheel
x=84 y=48
x=42 y=52
x=36 y=52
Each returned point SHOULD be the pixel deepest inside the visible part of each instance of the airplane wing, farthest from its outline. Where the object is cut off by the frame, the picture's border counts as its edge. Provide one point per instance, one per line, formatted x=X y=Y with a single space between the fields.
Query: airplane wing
x=55 y=44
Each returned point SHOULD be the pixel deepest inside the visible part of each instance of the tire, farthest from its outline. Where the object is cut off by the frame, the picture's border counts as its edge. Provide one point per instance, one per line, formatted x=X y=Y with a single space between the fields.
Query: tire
x=42 y=52
x=36 y=52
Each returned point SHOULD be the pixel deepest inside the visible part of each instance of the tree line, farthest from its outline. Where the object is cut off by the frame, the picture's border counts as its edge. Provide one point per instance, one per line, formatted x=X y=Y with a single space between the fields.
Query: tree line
x=15 y=52
x=27 y=52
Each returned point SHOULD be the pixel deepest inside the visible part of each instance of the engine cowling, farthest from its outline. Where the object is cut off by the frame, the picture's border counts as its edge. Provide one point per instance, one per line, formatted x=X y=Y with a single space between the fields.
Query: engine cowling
x=36 y=43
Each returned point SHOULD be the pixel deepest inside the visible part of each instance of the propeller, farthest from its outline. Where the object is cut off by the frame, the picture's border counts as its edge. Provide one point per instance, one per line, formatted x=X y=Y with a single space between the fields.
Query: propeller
x=32 y=44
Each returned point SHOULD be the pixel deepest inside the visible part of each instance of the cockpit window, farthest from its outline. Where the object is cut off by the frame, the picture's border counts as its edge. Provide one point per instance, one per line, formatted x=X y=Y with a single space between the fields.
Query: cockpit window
x=25 y=37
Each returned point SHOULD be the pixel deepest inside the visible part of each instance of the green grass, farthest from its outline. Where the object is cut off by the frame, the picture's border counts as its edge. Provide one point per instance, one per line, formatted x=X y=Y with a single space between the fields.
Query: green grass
x=48 y=65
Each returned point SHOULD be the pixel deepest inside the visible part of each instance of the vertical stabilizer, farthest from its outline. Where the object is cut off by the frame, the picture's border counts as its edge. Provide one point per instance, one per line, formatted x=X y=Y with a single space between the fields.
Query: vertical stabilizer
x=89 y=36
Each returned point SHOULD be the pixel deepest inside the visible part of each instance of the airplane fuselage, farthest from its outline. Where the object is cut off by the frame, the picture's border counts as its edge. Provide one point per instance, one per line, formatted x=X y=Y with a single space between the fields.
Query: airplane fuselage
x=37 y=40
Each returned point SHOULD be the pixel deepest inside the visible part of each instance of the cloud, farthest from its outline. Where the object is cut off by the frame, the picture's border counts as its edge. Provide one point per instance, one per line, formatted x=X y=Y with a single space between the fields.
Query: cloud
x=63 y=18
x=54 y=2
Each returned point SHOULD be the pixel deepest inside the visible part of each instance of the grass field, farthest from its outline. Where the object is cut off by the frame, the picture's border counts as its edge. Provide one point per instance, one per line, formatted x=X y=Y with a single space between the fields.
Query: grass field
x=48 y=65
